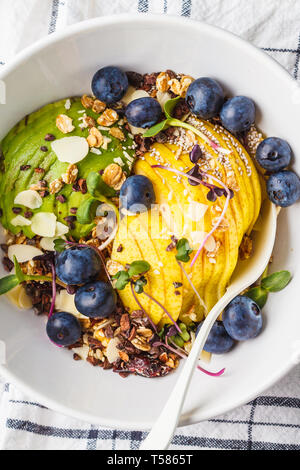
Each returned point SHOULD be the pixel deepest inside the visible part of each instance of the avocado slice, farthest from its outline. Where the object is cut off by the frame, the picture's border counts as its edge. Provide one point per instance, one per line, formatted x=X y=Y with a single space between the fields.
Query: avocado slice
x=25 y=146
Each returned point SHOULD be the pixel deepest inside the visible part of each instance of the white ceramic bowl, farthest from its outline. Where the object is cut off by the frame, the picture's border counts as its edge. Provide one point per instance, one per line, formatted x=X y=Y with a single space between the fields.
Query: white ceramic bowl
x=61 y=66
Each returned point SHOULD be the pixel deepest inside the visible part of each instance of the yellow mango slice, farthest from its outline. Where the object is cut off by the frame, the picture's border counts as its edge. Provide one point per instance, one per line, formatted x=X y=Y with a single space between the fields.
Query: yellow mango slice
x=152 y=231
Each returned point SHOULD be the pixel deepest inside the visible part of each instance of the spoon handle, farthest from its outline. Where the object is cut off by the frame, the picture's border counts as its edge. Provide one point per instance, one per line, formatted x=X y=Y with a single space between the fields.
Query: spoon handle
x=162 y=432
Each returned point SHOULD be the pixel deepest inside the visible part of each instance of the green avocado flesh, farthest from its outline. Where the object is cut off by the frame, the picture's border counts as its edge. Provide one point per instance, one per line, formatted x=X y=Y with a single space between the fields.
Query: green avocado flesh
x=22 y=146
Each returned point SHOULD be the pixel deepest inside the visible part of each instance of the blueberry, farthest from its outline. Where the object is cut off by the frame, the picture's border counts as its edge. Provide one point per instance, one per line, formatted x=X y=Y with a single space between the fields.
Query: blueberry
x=78 y=265
x=109 y=84
x=218 y=341
x=205 y=97
x=63 y=329
x=274 y=154
x=242 y=318
x=96 y=299
x=238 y=114
x=283 y=188
x=143 y=112
x=137 y=194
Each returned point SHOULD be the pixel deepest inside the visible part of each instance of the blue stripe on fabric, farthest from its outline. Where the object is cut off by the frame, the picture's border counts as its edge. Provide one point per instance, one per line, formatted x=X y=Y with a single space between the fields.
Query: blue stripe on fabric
x=272 y=49
x=54 y=15
x=143 y=6
x=136 y=437
x=296 y=70
x=22 y=402
x=186 y=8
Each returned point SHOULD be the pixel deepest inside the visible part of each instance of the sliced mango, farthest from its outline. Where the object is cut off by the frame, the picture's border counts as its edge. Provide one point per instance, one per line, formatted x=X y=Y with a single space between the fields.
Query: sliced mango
x=151 y=232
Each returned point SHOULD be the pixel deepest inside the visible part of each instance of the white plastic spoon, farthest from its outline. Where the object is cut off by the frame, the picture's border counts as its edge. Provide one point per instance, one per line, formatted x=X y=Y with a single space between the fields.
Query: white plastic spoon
x=247 y=273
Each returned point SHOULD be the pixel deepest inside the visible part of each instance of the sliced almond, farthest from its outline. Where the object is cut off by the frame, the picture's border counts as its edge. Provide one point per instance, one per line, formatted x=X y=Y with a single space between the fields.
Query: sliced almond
x=162 y=97
x=47 y=243
x=23 y=253
x=19 y=220
x=197 y=239
x=83 y=351
x=196 y=211
x=65 y=303
x=29 y=198
x=133 y=94
x=61 y=229
x=13 y=295
x=44 y=224
x=136 y=130
x=112 y=352
x=71 y=149
x=24 y=300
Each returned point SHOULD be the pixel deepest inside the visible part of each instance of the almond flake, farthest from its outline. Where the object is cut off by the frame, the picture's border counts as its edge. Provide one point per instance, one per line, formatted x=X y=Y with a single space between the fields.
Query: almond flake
x=44 y=224
x=19 y=220
x=112 y=352
x=29 y=198
x=23 y=253
x=61 y=229
x=71 y=149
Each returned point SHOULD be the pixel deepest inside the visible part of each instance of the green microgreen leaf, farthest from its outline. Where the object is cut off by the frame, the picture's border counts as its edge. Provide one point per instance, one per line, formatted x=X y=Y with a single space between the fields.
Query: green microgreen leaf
x=7 y=283
x=157 y=128
x=60 y=245
x=161 y=333
x=183 y=250
x=138 y=267
x=139 y=285
x=92 y=182
x=19 y=273
x=259 y=295
x=276 y=281
x=170 y=105
x=87 y=211
x=122 y=278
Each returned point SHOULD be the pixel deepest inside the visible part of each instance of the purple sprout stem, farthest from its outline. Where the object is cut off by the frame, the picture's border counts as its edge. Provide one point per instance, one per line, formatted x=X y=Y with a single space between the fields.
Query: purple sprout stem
x=211 y=374
x=164 y=309
x=53 y=290
x=184 y=356
x=142 y=308
x=192 y=285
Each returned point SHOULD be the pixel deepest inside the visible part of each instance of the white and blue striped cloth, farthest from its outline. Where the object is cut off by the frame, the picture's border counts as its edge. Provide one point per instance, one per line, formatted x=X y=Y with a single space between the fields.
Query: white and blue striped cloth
x=272 y=421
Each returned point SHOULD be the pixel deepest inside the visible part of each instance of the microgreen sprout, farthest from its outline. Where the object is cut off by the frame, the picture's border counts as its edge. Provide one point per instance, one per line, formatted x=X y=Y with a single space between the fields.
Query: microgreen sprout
x=172 y=122
x=273 y=283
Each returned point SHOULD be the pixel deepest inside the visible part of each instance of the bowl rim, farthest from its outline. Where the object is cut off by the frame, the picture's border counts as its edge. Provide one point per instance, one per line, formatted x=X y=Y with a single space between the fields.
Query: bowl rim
x=155 y=20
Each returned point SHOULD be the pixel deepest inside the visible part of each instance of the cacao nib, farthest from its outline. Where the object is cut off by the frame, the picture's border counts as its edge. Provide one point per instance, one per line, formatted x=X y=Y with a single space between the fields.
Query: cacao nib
x=16 y=210
x=25 y=167
x=177 y=284
x=61 y=198
x=180 y=110
x=4 y=247
x=8 y=264
x=43 y=148
x=135 y=79
x=49 y=137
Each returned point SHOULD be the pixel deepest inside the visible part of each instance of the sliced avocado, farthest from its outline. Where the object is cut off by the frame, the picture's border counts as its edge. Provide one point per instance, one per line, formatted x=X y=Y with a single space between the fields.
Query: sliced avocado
x=23 y=145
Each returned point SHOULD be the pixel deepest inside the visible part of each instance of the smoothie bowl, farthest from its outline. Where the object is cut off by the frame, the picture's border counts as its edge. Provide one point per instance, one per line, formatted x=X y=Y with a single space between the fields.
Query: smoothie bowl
x=128 y=198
